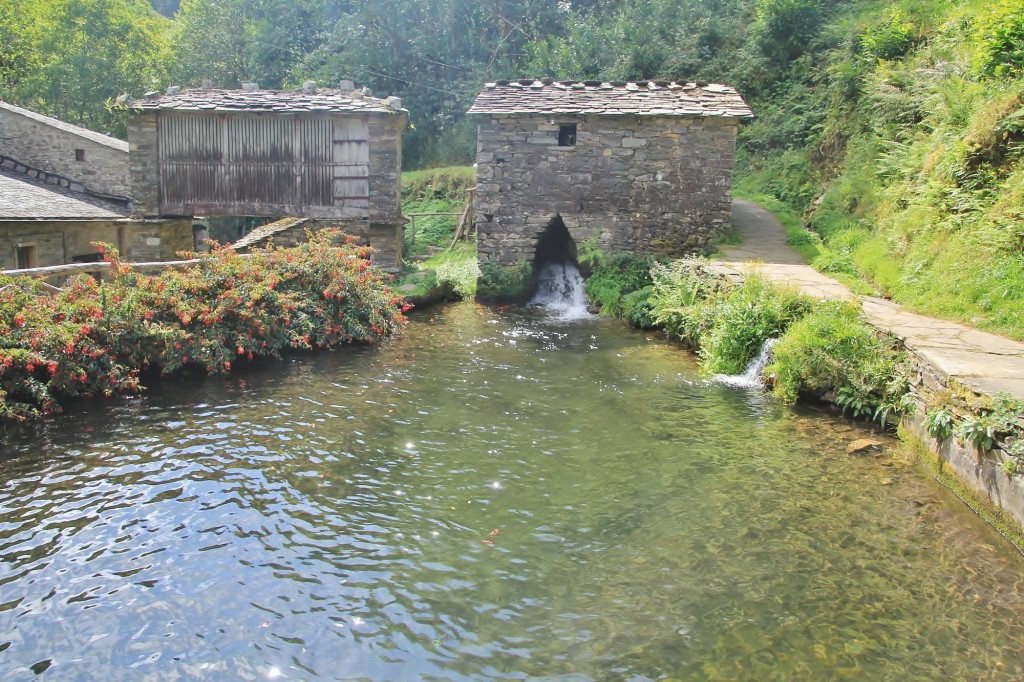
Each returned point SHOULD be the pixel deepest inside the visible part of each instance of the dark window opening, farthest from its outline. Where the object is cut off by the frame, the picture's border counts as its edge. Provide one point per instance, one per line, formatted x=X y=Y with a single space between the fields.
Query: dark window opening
x=567 y=135
x=79 y=155
x=26 y=256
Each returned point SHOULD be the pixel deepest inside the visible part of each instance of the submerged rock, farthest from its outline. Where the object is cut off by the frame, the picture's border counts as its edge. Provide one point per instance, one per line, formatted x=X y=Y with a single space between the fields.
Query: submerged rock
x=862 y=446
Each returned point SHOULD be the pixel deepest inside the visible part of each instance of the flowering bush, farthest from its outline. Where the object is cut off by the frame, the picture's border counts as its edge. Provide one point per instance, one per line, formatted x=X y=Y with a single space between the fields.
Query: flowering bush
x=93 y=338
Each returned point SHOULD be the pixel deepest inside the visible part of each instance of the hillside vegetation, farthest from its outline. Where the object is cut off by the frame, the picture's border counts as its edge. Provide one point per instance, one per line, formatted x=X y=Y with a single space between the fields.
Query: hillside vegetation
x=893 y=130
x=908 y=163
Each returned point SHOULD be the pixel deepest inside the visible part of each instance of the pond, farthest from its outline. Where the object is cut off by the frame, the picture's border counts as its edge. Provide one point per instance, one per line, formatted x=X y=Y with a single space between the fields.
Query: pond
x=495 y=495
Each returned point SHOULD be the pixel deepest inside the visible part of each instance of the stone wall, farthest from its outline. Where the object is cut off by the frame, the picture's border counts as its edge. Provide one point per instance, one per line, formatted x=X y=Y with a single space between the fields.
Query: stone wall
x=97 y=162
x=386 y=168
x=983 y=473
x=654 y=184
x=60 y=241
x=144 y=164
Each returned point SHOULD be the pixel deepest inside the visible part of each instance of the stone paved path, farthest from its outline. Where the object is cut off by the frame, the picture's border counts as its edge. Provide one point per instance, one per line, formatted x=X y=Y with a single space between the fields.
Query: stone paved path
x=984 y=362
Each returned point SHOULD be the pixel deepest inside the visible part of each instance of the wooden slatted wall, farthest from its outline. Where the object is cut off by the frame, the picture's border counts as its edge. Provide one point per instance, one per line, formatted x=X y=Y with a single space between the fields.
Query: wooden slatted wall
x=246 y=164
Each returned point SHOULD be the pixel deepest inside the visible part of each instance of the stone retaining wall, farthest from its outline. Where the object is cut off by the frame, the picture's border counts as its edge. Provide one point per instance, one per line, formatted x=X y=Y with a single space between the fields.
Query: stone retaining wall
x=982 y=472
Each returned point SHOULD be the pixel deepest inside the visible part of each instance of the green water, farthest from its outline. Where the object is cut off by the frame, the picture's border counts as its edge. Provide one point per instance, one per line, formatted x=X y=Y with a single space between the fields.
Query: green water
x=493 y=496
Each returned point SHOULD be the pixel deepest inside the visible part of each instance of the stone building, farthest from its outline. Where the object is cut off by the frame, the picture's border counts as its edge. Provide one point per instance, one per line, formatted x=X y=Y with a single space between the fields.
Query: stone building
x=63 y=187
x=642 y=167
x=62 y=154
x=330 y=155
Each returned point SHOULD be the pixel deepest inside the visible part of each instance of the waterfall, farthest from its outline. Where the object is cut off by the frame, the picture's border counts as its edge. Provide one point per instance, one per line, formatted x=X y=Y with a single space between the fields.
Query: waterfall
x=560 y=289
x=751 y=377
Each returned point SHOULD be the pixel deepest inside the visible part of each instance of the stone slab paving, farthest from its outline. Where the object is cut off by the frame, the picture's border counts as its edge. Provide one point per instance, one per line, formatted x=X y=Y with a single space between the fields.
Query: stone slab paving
x=986 y=363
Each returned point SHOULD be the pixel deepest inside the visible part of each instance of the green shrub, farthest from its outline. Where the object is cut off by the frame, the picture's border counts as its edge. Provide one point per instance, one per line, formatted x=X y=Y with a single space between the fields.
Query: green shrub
x=505 y=283
x=459 y=269
x=93 y=339
x=680 y=290
x=784 y=28
x=638 y=308
x=940 y=422
x=743 y=319
x=834 y=349
x=1000 y=39
x=890 y=38
x=987 y=426
x=834 y=262
x=612 y=277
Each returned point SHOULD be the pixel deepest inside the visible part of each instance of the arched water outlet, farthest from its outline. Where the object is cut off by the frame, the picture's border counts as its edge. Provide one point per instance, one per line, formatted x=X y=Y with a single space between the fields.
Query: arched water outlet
x=559 y=283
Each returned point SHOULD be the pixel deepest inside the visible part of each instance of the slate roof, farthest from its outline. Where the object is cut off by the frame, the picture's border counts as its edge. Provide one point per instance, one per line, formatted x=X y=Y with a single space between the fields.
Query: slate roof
x=22 y=198
x=277 y=101
x=100 y=138
x=654 y=98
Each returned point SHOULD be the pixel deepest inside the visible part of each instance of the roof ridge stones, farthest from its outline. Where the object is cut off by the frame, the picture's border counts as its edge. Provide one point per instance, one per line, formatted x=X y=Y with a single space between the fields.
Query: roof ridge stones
x=307 y=100
x=644 y=98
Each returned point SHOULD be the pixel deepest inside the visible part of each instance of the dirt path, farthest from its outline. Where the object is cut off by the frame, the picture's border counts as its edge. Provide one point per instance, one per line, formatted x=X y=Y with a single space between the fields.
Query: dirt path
x=984 y=362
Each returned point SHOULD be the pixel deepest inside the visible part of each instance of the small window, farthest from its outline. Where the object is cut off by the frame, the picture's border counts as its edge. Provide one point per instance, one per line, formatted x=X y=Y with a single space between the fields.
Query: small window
x=79 y=155
x=26 y=256
x=567 y=135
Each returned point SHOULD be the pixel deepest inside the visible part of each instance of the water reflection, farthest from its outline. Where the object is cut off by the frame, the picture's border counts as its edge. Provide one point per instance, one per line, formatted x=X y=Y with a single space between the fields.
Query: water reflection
x=490 y=497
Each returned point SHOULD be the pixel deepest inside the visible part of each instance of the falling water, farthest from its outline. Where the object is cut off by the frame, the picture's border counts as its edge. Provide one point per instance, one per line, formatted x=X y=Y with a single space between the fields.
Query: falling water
x=560 y=289
x=751 y=377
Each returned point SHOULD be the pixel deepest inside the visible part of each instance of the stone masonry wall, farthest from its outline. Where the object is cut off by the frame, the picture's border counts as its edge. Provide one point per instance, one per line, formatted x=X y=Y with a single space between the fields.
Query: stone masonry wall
x=46 y=144
x=144 y=165
x=983 y=473
x=657 y=185
x=385 y=168
x=59 y=242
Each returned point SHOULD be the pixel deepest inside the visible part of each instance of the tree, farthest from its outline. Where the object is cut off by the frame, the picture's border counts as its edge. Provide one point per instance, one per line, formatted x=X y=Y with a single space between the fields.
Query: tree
x=81 y=54
x=234 y=41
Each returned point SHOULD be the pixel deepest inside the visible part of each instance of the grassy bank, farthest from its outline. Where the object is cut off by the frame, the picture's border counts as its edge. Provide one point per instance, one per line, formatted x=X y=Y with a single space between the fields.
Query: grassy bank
x=823 y=349
x=910 y=163
x=432 y=270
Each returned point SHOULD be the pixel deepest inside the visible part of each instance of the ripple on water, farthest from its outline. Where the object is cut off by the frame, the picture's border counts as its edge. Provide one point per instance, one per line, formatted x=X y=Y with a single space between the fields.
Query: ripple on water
x=574 y=505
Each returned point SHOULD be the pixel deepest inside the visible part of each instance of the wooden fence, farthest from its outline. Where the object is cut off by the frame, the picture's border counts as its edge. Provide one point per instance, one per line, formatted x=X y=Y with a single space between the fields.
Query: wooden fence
x=466 y=220
x=96 y=269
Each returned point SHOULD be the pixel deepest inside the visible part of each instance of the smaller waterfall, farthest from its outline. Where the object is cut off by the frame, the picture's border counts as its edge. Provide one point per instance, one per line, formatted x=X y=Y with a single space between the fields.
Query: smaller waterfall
x=560 y=289
x=751 y=377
